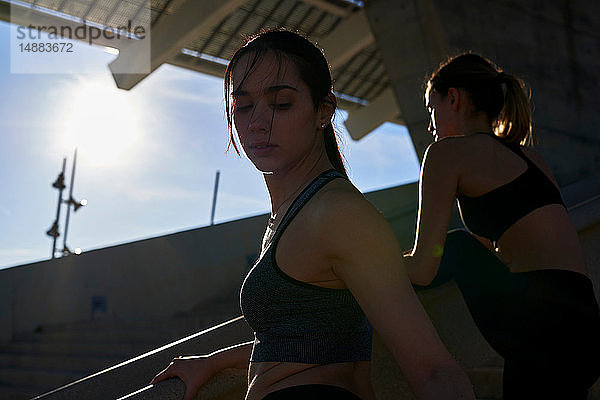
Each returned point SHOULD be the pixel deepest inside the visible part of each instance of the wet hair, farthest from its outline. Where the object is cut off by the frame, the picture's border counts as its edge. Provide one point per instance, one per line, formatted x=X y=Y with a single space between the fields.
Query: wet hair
x=312 y=68
x=504 y=98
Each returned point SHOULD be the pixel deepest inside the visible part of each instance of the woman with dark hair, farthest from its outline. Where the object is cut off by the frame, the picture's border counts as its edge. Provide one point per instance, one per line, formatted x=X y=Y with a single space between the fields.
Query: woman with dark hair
x=520 y=266
x=328 y=269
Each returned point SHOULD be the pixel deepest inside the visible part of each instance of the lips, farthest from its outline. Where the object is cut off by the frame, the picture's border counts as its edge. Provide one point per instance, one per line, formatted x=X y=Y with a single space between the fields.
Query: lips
x=261 y=149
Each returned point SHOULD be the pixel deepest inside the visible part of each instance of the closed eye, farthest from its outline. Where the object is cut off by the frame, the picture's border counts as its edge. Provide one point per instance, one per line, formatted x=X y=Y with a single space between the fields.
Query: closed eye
x=238 y=108
x=281 y=106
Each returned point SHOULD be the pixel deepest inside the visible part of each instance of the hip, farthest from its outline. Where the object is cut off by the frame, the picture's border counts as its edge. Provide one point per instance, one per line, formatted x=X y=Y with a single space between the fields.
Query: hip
x=270 y=377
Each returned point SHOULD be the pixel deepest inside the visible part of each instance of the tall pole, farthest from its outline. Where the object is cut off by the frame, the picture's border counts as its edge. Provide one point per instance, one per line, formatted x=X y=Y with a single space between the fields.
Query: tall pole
x=69 y=201
x=214 y=203
x=60 y=185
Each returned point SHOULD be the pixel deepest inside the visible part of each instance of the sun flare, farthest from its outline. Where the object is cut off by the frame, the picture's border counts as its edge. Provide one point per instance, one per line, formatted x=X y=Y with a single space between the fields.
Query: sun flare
x=102 y=122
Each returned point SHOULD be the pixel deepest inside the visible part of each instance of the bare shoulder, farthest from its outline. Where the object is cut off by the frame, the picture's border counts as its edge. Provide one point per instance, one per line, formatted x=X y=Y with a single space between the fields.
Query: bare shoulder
x=450 y=156
x=340 y=199
x=454 y=148
x=349 y=230
x=341 y=211
x=444 y=147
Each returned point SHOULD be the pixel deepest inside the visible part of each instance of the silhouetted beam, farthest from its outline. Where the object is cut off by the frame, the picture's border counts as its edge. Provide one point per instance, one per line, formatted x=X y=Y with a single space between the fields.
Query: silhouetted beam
x=329 y=7
x=169 y=35
x=365 y=119
x=195 y=64
x=351 y=36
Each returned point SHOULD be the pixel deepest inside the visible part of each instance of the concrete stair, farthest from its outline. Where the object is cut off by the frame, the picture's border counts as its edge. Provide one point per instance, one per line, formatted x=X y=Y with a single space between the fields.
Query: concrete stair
x=38 y=362
x=32 y=374
x=18 y=392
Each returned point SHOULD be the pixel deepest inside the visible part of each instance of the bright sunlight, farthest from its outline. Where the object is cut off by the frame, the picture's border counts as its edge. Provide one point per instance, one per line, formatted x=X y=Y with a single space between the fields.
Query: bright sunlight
x=102 y=121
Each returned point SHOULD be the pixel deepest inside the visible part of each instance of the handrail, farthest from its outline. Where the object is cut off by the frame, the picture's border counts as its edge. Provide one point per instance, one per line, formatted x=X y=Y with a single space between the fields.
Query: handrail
x=125 y=379
x=227 y=384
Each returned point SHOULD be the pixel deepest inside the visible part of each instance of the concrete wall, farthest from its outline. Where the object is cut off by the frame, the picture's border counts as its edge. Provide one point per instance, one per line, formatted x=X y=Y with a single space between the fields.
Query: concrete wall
x=554 y=45
x=157 y=277
x=147 y=279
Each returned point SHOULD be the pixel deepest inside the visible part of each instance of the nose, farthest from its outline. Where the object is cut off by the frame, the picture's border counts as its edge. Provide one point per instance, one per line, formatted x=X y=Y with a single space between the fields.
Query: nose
x=260 y=119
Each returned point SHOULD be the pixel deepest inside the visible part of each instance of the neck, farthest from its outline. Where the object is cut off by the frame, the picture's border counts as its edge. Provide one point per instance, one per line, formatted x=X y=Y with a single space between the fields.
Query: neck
x=285 y=185
x=477 y=123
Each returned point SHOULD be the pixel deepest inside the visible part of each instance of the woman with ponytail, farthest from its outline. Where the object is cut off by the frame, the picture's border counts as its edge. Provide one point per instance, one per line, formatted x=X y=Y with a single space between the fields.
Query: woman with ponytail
x=329 y=267
x=519 y=265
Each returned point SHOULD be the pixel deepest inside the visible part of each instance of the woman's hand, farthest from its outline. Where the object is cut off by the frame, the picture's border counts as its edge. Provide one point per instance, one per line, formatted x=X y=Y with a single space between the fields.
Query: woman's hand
x=194 y=371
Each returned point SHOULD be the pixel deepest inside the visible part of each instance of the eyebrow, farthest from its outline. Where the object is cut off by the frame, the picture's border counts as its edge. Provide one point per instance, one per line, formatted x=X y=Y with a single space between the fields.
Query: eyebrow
x=270 y=89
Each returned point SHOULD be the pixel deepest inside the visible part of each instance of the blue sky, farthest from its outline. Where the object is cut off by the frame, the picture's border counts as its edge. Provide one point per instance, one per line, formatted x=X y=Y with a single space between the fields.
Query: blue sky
x=146 y=157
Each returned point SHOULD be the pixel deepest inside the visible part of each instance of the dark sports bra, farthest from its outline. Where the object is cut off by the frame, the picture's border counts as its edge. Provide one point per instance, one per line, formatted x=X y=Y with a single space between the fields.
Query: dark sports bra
x=295 y=321
x=492 y=213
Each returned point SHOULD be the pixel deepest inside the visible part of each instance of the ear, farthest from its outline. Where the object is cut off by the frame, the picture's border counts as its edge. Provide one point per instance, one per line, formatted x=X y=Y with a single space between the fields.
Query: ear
x=326 y=109
x=454 y=98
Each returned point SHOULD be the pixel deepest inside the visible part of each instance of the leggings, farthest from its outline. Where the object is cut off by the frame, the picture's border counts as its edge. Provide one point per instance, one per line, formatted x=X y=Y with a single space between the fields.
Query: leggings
x=544 y=323
x=312 y=392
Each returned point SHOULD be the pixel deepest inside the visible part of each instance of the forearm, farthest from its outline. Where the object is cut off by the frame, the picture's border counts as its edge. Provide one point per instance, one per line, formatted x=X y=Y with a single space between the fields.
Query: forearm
x=237 y=356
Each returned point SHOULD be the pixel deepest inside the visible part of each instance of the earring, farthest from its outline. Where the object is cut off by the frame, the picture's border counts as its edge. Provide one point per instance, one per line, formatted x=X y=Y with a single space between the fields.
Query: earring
x=323 y=125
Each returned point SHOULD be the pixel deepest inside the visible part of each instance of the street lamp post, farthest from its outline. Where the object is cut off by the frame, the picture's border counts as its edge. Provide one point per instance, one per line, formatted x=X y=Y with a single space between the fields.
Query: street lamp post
x=60 y=185
x=54 y=230
x=214 y=203
x=76 y=205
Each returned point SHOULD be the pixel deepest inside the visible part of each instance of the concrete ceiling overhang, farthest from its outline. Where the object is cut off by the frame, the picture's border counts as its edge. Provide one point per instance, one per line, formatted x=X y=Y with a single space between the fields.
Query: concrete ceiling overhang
x=203 y=35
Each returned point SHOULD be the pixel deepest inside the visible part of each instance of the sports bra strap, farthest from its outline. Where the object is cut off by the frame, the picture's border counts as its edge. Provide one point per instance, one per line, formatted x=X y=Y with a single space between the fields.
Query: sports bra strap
x=299 y=202
x=515 y=148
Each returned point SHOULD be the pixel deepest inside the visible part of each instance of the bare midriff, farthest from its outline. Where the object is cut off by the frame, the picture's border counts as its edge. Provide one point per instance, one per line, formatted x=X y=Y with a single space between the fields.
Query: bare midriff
x=267 y=377
x=543 y=239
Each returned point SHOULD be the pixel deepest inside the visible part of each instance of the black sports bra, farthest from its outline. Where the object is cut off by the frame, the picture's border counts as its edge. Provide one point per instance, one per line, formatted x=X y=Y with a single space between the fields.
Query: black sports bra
x=492 y=213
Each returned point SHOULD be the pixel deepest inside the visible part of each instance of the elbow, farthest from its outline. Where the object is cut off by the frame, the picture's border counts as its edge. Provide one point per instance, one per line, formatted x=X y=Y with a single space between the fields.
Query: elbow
x=430 y=274
x=420 y=276
x=420 y=272
x=422 y=279
x=420 y=283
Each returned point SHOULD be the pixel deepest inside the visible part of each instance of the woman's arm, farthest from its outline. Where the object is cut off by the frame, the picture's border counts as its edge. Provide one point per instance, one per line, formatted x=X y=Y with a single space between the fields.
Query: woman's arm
x=195 y=371
x=364 y=253
x=437 y=189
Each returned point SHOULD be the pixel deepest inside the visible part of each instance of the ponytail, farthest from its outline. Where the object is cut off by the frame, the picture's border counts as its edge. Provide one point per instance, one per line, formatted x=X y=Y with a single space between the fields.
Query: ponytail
x=333 y=149
x=514 y=121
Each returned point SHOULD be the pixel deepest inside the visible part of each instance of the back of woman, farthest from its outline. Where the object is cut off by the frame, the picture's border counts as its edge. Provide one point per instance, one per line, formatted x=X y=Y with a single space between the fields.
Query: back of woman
x=518 y=264
x=545 y=237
